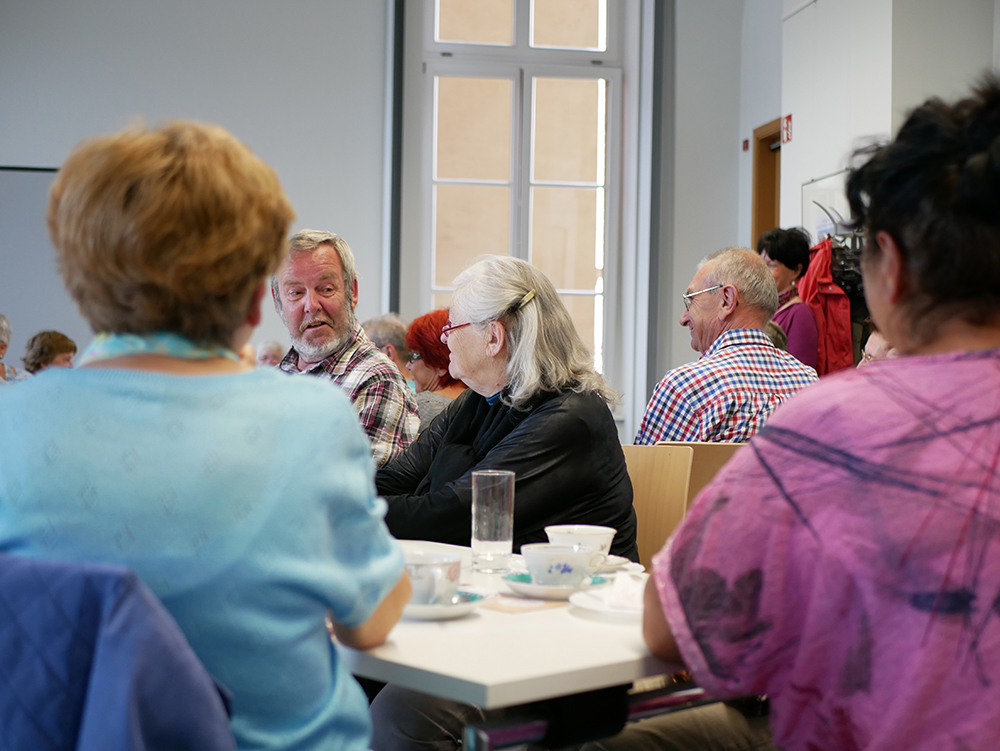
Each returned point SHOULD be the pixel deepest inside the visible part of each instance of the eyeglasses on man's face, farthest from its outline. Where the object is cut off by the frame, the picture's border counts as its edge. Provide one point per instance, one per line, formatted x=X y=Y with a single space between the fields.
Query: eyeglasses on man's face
x=445 y=330
x=688 y=297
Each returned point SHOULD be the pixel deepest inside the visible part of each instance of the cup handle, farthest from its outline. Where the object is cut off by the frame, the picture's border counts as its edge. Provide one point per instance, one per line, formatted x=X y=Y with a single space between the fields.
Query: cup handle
x=436 y=575
x=597 y=560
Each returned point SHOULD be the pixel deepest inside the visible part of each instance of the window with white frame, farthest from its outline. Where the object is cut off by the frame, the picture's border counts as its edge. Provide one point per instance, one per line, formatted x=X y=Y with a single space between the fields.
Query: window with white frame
x=523 y=107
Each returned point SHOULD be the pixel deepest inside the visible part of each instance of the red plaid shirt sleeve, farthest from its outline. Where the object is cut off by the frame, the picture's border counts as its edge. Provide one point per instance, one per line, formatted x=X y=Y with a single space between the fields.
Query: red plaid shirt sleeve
x=386 y=408
x=387 y=413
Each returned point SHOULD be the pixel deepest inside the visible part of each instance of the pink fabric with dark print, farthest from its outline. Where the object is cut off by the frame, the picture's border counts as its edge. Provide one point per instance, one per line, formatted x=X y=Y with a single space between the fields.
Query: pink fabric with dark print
x=847 y=562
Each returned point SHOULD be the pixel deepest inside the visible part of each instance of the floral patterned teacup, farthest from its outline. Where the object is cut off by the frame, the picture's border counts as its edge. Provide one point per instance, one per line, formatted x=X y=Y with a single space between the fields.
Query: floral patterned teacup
x=560 y=565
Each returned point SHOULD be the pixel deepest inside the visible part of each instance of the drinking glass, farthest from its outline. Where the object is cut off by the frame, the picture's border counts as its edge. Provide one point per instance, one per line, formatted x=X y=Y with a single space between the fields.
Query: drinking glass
x=492 y=520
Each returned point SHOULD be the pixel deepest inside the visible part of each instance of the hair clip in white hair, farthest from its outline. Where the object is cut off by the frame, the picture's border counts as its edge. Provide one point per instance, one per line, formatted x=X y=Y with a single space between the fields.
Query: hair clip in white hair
x=528 y=297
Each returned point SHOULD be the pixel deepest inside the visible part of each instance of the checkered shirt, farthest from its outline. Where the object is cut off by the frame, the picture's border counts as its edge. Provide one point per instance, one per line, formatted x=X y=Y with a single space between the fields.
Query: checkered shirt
x=384 y=403
x=727 y=395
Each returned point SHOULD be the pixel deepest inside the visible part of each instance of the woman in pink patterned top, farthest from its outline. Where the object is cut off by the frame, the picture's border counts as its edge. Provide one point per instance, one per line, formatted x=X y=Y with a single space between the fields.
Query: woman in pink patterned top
x=787 y=254
x=846 y=562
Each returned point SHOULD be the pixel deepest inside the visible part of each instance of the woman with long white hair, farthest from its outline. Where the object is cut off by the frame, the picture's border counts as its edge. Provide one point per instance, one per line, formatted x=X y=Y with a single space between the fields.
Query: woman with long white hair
x=535 y=405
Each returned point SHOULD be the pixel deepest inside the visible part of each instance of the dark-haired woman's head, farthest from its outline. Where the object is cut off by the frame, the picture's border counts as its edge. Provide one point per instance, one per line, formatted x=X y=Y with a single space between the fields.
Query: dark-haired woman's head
x=932 y=196
x=48 y=349
x=787 y=254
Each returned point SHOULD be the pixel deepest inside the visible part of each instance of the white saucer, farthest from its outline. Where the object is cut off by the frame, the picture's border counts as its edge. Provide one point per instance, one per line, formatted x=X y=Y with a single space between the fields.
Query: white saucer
x=620 y=563
x=521 y=583
x=599 y=601
x=467 y=602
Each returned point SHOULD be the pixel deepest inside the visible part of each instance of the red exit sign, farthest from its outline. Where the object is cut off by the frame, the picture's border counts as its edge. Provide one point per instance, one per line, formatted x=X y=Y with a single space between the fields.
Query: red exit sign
x=786 y=129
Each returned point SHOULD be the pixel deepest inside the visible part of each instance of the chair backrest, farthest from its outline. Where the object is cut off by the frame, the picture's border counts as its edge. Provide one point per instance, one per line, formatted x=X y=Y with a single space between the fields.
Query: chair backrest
x=708 y=460
x=659 y=477
x=92 y=660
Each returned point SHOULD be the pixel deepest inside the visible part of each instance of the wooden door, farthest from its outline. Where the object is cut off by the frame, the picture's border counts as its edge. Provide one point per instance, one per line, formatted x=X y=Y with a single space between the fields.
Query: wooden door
x=766 y=203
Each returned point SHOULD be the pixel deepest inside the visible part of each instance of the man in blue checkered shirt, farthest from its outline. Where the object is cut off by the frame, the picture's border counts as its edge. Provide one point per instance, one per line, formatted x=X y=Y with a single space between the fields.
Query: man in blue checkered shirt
x=741 y=377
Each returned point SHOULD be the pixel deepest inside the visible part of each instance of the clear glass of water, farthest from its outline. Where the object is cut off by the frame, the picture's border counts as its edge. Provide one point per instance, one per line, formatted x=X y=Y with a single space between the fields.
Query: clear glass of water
x=492 y=520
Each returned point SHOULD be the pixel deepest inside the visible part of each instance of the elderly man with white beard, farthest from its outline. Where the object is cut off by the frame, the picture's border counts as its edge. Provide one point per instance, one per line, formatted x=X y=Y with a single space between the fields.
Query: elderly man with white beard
x=315 y=292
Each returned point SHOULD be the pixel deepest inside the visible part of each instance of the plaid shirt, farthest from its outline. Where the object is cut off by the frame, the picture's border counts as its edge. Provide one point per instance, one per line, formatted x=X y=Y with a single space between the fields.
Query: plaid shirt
x=385 y=406
x=726 y=395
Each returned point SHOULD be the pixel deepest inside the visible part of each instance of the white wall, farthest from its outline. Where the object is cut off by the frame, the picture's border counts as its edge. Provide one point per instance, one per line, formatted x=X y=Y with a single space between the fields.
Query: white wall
x=760 y=92
x=996 y=34
x=706 y=152
x=938 y=49
x=302 y=82
x=836 y=82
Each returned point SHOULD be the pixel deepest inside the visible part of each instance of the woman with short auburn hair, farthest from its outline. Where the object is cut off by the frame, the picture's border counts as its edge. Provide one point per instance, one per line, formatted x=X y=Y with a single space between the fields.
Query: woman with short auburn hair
x=163 y=452
x=428 y=364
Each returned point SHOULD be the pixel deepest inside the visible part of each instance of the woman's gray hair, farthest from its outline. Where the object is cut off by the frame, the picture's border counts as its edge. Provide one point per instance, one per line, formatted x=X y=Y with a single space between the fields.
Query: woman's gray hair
x=745 y=270
x=6 y=332
x=544 y=350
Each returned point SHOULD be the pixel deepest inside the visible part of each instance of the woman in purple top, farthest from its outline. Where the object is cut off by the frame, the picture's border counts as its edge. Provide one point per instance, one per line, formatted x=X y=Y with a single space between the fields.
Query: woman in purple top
x=846 y=562
x=787 y=254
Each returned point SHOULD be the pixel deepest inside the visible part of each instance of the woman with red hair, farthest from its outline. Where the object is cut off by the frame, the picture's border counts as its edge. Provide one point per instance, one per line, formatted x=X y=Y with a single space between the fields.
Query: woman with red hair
x=428 y=363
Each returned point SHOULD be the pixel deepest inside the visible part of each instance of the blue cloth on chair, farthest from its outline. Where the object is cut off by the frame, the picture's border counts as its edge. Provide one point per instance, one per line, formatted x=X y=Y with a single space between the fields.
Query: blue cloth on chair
x=90 y=659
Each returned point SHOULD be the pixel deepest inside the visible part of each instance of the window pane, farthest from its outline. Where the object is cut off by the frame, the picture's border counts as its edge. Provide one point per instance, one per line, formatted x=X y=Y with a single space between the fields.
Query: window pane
x=567 y=235
x=442 y=300
x=470 y=220
x=473 y=128
x=571 y=24
x=476 y=21
x=568 y=130
x=582 y=309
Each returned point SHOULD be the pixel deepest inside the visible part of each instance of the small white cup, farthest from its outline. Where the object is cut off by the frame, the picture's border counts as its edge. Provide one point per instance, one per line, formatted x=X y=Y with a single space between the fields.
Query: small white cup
x=434 y=577
x=560 y=565
x=585 y=535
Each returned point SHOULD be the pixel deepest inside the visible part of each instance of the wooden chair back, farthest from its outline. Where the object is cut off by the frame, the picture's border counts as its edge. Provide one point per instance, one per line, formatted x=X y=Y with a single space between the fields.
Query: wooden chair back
x=659 y=477
x=707 y=461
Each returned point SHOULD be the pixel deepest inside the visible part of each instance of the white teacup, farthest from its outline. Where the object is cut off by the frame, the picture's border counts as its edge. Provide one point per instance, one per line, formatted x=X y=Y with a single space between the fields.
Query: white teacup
x=585 y=535
x=434 y=577
x=560 y=565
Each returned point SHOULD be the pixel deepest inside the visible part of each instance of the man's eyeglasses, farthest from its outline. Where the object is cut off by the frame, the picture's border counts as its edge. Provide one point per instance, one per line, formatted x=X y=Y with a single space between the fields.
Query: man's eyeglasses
x=687 y=298
x=413 y=357
x=445 y=330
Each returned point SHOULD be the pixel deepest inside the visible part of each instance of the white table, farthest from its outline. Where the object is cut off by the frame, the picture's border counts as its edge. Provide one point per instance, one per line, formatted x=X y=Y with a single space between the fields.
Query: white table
x=494 y=659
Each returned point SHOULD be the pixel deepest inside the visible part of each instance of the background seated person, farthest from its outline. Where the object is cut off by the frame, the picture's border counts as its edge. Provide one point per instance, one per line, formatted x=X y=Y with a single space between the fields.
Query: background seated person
x=876 y=348
x=49 y=349
x=315 y=293
x=269 y=354
x=428 y=366
x=786 y=252
x=8 y=373
x=388 y=334
x=848 y=564
x=535 y=406
x=243 y=498
x=741 y=377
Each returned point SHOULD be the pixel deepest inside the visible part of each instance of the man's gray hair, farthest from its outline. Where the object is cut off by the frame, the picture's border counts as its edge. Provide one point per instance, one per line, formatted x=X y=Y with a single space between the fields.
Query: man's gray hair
x=271 y=346
x=743 y=269
x=544 y=350
x=306 y=241
x=386 y=329
x=6 y=332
